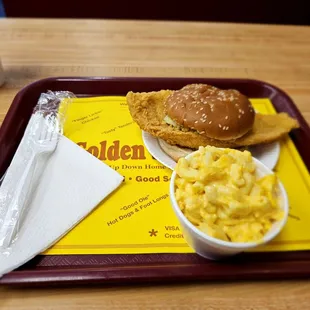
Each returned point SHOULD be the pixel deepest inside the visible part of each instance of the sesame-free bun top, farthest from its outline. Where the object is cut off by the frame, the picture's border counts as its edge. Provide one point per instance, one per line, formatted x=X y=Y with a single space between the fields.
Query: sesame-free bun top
x=213 y=112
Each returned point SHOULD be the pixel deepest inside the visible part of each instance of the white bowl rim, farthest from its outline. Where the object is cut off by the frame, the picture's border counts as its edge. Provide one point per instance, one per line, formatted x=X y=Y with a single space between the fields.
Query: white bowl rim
x=228 y=244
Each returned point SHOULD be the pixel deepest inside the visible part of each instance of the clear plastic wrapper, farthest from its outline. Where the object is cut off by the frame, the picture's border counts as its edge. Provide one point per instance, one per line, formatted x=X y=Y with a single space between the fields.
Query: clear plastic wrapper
x=39 y=142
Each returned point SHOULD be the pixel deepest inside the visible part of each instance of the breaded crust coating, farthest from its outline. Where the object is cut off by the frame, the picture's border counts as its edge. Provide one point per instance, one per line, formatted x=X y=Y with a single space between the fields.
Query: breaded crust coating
x=147 y=110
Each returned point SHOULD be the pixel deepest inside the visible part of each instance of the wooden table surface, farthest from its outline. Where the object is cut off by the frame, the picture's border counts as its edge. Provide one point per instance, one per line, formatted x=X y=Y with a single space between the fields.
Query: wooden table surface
x=35 y=49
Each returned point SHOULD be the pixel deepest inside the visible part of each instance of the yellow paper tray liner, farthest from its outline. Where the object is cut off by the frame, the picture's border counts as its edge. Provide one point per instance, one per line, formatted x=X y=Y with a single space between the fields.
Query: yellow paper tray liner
x=138 y=218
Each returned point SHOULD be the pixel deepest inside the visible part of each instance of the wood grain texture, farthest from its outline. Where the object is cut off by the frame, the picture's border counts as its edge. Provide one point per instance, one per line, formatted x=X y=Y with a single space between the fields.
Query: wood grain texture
x=34 y=49
x=241 y=296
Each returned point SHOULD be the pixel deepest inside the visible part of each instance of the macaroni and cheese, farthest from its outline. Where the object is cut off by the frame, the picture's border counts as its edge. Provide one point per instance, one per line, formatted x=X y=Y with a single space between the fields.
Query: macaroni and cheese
x=219 y=192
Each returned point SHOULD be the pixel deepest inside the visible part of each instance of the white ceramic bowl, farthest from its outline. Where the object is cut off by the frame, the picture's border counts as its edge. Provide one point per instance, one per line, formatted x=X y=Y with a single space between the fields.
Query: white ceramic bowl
x=213 y=248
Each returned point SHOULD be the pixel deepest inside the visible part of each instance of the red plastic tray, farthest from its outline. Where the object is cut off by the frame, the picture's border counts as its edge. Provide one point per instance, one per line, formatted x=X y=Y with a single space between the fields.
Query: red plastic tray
x=64 y=269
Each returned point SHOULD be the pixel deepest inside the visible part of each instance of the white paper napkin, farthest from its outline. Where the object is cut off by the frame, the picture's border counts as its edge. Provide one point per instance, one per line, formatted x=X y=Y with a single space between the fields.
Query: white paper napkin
x=73 y=183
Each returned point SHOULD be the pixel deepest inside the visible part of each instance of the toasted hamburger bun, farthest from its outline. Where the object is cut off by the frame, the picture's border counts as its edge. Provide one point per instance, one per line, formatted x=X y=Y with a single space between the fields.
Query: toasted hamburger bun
x=174 y=151
x=212 y=112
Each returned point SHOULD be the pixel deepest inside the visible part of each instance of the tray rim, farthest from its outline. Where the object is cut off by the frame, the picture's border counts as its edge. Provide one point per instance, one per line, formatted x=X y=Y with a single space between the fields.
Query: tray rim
x=26 y=88
x=44 y=276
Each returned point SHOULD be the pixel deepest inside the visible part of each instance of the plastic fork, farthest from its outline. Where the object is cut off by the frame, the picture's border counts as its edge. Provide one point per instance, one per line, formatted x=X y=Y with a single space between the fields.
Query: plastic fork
x=43 y=139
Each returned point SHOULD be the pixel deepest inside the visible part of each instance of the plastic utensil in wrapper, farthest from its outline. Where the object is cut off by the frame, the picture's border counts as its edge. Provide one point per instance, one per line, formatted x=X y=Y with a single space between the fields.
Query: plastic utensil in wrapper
x=39 y=142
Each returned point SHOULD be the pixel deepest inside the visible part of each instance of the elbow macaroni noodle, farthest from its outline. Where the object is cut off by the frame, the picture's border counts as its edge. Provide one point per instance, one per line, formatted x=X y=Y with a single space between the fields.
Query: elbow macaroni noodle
x=218 y=191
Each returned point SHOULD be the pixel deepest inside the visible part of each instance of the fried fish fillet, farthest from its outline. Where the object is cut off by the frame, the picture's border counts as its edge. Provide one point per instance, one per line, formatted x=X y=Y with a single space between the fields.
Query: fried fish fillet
x=147 y=110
